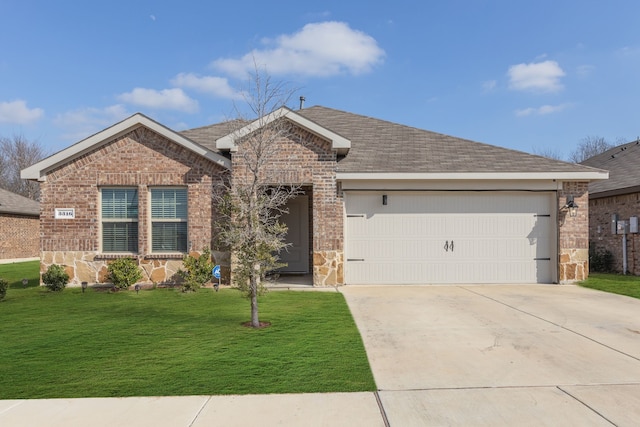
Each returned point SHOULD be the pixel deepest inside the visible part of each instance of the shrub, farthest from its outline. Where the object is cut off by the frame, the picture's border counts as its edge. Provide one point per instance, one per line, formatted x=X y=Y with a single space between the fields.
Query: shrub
x=600 y=260
x=55 y=278
x=197 y=270
x=4 y=285
x=123 y=272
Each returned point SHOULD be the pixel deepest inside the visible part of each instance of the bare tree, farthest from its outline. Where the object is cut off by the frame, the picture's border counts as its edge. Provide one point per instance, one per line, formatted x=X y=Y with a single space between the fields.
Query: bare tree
x=253 y=200
x=588 y=147
x=16 y=154
x=549 y=153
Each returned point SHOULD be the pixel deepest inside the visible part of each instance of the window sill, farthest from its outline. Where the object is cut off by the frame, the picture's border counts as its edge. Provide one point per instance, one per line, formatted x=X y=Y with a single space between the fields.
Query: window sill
x=116 y=256
x=172 y=255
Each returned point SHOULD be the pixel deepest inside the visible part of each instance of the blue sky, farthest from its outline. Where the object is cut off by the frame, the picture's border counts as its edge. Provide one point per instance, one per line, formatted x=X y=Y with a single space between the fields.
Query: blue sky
x=527 y=75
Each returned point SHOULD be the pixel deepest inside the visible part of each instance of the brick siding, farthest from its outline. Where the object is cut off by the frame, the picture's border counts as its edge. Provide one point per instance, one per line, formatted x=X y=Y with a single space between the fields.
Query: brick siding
x=139 y=159
x=143 y=159
x=304 y=159
x=574 y=233
x=19 y=236
x=601 y=237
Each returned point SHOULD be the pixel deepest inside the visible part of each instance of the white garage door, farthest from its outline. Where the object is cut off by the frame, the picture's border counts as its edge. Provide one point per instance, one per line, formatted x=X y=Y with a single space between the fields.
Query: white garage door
x=450 y=237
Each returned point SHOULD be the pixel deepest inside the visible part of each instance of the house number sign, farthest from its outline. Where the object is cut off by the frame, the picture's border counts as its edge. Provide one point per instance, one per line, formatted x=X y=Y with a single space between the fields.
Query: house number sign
x=65 y=213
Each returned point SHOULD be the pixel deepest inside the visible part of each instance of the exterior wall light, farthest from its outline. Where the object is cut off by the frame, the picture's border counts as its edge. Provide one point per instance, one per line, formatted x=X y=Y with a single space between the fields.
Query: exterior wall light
x=384 y=199
x=571 y=206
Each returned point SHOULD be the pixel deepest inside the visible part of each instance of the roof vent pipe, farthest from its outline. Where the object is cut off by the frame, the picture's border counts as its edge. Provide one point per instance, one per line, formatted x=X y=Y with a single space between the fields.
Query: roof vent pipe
x=302 y=99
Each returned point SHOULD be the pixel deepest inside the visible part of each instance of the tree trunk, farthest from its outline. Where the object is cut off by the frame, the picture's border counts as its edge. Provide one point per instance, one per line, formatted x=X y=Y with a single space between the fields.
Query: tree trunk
x=255 y=321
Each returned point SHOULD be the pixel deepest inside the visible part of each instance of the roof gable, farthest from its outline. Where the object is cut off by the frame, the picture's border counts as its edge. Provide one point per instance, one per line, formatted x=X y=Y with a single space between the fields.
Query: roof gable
x=338 y=142
x=39 y=170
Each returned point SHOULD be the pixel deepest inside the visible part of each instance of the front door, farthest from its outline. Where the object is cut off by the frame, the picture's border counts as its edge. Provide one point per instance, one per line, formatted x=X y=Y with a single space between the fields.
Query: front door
x=296 y=256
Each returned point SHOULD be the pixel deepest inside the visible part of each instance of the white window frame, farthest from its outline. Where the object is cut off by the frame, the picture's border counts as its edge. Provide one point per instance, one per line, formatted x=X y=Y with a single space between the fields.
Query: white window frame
x=134 y=221
x=169 y=220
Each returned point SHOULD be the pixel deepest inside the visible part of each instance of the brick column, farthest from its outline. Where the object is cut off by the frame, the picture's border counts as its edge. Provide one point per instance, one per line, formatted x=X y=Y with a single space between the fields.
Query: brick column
x=573 y=233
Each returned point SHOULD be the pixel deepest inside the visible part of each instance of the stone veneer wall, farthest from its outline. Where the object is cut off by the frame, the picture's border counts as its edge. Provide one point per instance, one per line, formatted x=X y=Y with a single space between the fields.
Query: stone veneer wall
x=600 y=235
x=140 y=159
x=328 y=268
x=308 y=160
x=19 y=236
x=574 y=233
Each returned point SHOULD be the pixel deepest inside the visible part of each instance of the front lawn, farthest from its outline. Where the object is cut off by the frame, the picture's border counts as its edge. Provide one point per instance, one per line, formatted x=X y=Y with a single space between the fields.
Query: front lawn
x=616 y=283
x=15 y=272
x=164 y=342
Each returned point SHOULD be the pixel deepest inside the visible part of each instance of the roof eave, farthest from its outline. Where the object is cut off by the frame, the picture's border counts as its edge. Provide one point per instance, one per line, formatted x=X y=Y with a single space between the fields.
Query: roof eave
x=39 y=170
x=33 y=214
x=594 y=175
x=614 y=192
x=338 y=143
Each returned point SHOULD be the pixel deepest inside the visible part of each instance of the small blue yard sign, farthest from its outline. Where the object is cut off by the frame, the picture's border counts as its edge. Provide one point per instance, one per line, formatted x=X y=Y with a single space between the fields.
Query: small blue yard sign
x=216 y=271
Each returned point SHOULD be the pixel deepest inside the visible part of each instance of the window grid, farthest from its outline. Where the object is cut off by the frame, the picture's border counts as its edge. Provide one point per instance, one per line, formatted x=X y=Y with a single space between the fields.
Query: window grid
x=169 y=220
x=119 y=210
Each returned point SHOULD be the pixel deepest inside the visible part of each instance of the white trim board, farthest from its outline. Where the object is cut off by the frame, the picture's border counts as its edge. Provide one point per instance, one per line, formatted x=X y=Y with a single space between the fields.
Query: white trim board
x=39 y=170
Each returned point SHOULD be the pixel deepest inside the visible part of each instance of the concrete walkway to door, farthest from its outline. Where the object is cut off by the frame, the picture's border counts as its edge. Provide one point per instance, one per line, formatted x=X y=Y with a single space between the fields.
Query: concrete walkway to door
x=477 y=355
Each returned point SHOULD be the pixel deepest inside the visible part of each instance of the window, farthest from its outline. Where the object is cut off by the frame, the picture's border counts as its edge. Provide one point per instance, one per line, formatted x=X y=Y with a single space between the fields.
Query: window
x=169 y=220
x=119 y=220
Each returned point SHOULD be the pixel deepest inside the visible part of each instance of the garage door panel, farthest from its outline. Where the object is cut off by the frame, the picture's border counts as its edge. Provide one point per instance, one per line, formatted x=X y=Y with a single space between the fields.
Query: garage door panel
x=445 y=237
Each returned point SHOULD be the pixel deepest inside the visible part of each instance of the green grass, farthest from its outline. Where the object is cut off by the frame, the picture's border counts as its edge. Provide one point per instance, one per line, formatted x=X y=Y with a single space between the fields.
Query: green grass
x=615 y=283
x=164 y=342
x=14 y=273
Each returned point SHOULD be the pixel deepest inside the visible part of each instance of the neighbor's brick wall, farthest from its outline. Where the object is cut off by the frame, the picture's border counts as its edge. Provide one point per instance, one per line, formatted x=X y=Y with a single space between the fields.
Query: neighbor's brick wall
x=600 y=235
x=304 y=159
x=139 y=159
x=19 y=236
x=574 y=233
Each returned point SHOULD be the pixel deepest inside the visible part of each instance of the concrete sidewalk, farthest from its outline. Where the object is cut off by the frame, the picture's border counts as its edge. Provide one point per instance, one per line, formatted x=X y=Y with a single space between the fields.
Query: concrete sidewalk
x=330 y=409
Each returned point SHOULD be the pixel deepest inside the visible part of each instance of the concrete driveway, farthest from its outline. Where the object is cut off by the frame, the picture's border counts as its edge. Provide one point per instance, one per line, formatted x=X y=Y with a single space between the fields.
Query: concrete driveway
x=501 y=355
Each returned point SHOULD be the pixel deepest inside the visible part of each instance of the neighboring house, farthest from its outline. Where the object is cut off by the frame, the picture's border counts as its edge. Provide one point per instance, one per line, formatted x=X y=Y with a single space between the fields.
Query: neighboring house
x=19 y=226
x=619 y=195
x=383 y=202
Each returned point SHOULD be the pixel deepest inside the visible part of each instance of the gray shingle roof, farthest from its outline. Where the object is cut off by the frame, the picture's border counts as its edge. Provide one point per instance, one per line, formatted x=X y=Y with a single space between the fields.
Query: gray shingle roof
x=13 y=203
x=382 y=146
x=207 y=135
x=624 y=173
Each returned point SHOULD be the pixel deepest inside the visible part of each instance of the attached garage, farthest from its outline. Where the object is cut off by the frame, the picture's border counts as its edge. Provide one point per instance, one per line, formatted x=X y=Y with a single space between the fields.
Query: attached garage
x=450 y=237
x=383 y=203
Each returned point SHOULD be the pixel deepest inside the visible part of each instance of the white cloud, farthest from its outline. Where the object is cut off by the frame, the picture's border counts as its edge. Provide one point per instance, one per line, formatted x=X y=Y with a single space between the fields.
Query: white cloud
x=81 y=123
x=17 y=112
x=320 y=49
x=489 y=85
x=628 y=52
x=217 y=86
x=584 y=70
x=541 y=111
x=539 y=77
x=166 y=99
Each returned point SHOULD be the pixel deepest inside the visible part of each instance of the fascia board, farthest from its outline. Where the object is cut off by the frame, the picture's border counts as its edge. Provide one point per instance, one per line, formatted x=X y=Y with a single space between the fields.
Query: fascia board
x=449 y=185
x=338 y=142
x=594 y=175
x=38 y=170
